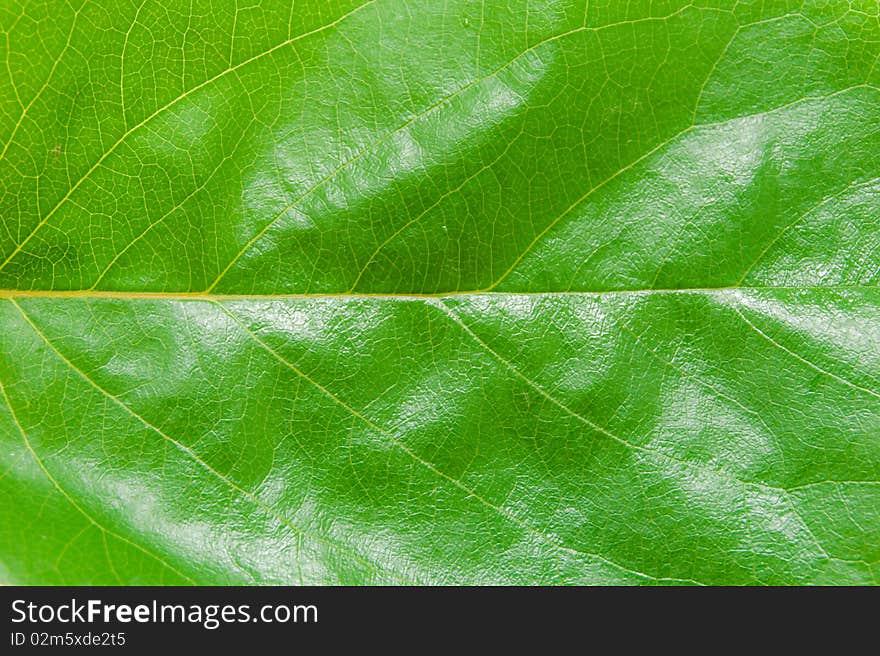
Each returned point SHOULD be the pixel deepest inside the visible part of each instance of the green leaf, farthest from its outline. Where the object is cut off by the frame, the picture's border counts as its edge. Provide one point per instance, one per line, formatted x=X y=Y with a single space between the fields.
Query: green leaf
x=400 y=291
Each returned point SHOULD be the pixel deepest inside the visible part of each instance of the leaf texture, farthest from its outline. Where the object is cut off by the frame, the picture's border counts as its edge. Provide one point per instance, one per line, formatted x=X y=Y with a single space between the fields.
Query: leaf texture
x=399 y=291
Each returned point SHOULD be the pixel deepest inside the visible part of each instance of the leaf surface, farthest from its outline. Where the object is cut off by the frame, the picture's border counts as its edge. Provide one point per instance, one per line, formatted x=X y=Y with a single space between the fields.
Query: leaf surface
x=401 y=291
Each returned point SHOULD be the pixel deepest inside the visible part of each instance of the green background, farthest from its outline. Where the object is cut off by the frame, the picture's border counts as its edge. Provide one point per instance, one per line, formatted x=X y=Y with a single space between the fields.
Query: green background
x=440 y=292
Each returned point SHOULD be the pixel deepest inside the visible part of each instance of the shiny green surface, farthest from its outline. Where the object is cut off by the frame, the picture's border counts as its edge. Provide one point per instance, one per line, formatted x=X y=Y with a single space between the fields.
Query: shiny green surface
x=423 y=292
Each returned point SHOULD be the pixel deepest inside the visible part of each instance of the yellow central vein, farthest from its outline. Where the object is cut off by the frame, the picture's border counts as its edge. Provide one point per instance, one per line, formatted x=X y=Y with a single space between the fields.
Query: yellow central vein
x=10 y=294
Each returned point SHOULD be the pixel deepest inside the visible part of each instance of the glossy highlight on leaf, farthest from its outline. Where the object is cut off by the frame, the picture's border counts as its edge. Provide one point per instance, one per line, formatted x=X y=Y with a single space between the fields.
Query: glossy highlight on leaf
x=410 y=292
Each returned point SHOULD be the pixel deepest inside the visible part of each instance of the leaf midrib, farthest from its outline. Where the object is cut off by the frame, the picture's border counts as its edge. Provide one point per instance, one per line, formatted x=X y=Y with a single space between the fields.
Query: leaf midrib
x=407 y=296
